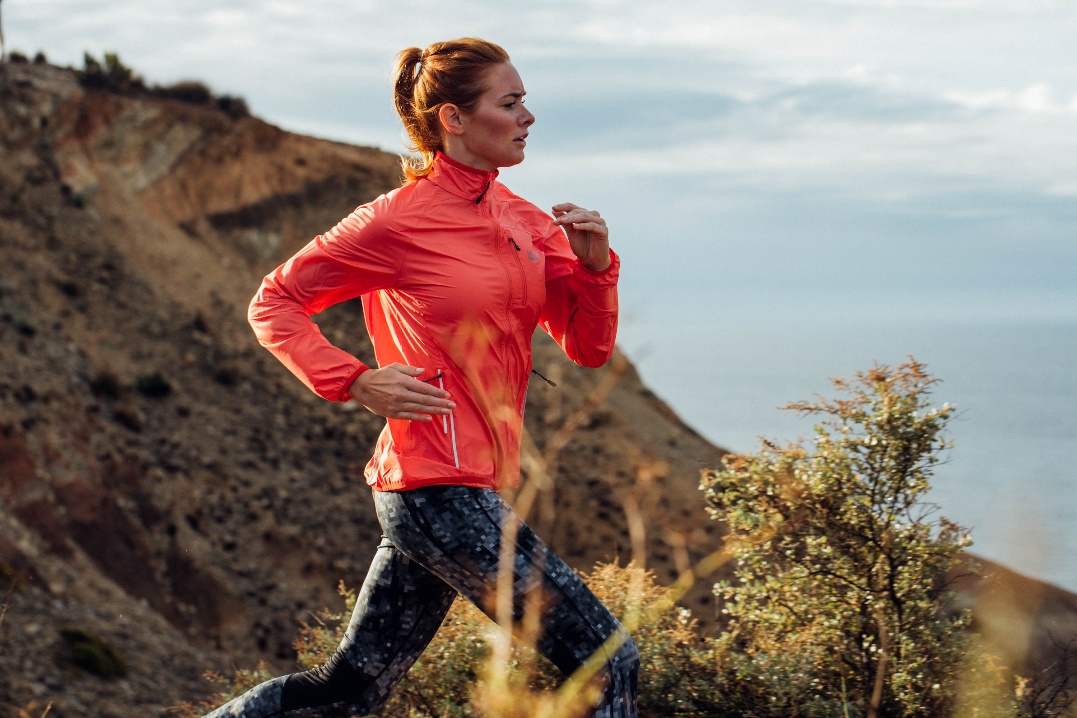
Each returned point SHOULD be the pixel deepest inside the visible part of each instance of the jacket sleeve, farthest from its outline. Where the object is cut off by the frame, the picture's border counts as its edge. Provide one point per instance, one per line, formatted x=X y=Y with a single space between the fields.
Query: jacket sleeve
x=355 y=257
x=580 y=312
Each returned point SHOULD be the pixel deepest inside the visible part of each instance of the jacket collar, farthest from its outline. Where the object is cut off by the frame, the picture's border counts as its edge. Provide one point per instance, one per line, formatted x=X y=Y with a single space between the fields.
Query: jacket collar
x=459 y=179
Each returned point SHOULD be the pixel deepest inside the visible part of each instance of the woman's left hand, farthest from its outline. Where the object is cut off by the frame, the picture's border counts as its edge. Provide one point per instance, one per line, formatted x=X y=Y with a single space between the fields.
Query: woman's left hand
x=587 y=234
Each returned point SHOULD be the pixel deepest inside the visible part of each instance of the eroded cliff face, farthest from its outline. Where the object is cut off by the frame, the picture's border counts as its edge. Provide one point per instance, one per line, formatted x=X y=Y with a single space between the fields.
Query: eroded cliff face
x=164 y=483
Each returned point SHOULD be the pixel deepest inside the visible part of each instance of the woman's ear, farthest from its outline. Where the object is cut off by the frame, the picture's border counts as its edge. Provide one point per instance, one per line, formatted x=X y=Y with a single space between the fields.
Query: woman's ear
x=451 y=119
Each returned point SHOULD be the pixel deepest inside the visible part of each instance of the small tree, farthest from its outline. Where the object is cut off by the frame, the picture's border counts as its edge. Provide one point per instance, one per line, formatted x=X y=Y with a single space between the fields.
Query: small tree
x=839 y=606
x=111 y=75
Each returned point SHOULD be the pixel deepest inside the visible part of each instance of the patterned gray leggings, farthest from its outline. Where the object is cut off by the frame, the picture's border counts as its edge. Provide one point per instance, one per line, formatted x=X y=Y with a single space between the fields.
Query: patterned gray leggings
x=438 y=541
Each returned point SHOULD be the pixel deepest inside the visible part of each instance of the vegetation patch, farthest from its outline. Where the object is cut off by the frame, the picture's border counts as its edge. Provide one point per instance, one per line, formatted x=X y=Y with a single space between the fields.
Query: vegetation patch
x=154 y=385
x=24 y=326
x=93 y=654
x=839 y=605
x=9 y=578
x=106 y=384
x=112 y=75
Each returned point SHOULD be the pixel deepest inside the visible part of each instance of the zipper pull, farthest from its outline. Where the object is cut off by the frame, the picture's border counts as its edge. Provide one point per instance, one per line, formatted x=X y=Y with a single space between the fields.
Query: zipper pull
x=543 y=378
x=514 y=244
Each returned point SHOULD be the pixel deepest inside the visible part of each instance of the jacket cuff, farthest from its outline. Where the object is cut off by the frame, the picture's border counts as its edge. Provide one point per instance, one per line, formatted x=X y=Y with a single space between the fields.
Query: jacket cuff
x=344 y=395
x=609 y=275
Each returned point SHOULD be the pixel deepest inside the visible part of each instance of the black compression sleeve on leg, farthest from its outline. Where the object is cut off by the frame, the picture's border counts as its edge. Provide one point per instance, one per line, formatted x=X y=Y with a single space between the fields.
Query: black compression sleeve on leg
x=332 y=682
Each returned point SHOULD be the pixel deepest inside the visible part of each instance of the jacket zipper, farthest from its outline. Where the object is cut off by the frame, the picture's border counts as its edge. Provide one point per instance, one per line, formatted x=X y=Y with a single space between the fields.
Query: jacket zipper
x=508 y=276
x=448 y=423
x=523 y=278
x=497 y=251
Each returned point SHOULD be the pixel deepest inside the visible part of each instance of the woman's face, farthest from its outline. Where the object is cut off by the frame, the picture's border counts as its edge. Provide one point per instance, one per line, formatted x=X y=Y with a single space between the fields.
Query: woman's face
x=494 y=133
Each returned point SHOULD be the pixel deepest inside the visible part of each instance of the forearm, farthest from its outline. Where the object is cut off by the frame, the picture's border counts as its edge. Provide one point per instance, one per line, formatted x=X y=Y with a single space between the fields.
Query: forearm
x=284 y=327
x=581 y=313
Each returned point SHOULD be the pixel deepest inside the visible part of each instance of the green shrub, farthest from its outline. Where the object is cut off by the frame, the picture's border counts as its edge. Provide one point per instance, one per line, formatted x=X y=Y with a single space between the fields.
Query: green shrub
x=189 y=91
x=112 y=75
x=24 y=326
x=9 y=578
x=455 y=668
x=228 y=687
x=234 y=107
x=154 y=385
x=109 y=74
x=106 y=384
x=837 y=607
x=93 y=654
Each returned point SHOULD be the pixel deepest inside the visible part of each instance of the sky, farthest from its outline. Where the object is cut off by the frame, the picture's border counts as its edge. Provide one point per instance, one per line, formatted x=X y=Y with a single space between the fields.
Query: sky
x=775 y=161
x=793 y=186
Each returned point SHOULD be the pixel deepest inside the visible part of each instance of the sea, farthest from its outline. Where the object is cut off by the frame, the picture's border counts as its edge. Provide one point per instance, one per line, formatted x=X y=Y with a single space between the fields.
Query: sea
x=1010 y=475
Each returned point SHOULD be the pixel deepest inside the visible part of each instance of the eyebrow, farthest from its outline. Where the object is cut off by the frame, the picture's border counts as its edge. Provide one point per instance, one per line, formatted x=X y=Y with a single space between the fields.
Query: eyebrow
x=513 y=94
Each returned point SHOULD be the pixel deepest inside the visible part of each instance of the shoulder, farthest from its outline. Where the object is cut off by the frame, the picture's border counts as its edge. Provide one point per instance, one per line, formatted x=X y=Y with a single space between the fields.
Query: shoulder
x=526 y=211
x=378 y=217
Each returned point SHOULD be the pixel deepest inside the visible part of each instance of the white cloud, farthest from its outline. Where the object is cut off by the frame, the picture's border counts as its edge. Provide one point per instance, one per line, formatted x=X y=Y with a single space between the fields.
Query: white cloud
x=1037 y=98
x=1063 y=189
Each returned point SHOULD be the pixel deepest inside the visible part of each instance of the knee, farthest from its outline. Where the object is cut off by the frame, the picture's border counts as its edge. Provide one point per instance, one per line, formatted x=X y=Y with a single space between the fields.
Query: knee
x=335 y=681
x=626 y=658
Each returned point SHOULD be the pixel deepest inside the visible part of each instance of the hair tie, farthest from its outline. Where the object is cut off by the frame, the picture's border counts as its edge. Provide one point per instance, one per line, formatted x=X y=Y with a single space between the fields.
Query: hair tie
x=419 y=64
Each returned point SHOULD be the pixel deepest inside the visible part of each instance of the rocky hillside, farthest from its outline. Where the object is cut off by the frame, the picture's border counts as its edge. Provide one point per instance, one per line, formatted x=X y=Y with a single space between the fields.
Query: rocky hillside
x=170 y=490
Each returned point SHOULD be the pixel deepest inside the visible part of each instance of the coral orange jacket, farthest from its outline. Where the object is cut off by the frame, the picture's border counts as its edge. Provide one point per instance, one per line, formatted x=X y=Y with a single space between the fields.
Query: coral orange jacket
x=455 y=273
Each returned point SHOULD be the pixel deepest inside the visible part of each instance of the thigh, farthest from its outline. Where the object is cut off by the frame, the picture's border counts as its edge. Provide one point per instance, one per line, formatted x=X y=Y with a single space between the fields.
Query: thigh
x=456 y=532
x=399 y=609
x=397 y=612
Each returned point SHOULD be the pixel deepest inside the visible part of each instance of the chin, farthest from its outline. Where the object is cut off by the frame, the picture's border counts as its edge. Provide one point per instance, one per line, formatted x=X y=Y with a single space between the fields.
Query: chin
x=512 y=162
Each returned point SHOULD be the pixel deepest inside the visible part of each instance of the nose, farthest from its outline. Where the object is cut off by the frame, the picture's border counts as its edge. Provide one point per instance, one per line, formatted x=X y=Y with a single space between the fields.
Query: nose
x=528 y=118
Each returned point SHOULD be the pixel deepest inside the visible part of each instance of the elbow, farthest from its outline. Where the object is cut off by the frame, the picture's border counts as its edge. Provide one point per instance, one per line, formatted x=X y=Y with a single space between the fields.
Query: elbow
x=593 y=356
x=266 y=311
x=591 y=349
x=257 y=312
x=596 y=361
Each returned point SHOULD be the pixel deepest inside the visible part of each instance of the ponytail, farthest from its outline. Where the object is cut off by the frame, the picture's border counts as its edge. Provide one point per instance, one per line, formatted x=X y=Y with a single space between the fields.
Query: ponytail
x=452 y=72
x=420 y=138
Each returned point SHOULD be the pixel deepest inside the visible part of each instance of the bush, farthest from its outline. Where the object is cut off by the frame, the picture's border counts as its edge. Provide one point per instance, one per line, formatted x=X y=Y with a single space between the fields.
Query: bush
x=106 y=384
x=109 y=74
x=92 y=654
x=455 y=668
x=112 y=75
x=24 y=326
x=838 y=606
x=228 y=687
x=189 y=91
x=9 y=578
x=197 y=93
x=234 y=107
x=154 y=385
x=444 y=680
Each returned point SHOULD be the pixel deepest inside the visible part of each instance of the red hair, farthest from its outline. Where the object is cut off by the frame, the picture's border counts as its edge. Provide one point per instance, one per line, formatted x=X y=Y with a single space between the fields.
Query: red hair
x=452 y=72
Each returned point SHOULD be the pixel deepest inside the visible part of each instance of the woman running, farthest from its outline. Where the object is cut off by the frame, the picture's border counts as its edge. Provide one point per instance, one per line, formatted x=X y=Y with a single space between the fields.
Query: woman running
x=455 y=272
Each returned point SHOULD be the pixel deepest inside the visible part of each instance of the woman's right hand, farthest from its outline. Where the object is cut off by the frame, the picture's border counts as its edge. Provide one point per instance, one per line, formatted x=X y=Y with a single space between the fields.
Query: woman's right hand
x=395 y=393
